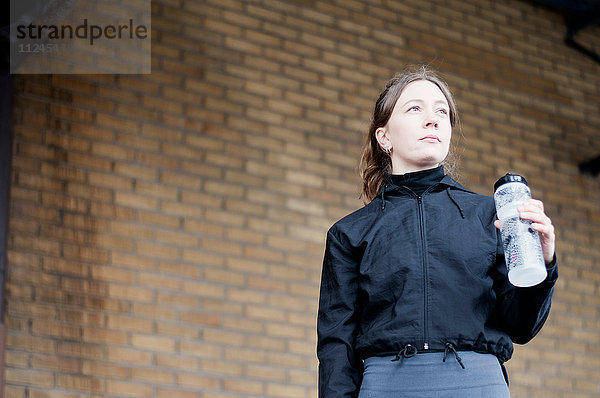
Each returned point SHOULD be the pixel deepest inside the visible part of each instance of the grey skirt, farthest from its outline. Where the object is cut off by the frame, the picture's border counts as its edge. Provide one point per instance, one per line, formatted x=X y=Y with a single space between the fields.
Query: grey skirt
x=427 y=376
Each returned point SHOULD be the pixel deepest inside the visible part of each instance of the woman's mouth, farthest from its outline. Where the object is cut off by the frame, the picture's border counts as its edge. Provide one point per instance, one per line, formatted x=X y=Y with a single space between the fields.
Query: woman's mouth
x=431 y=138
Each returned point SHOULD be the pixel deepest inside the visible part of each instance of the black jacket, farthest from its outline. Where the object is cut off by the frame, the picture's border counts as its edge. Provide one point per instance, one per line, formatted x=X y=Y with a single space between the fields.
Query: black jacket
x=421 y=270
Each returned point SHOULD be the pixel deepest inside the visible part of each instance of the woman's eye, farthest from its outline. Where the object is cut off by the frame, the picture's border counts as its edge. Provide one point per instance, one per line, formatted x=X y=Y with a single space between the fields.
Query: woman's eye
x=413 y=108
x=443 y=111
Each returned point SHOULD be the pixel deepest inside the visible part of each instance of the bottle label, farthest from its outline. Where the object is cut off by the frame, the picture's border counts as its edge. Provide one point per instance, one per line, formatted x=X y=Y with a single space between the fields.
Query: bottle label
x=508 y=197
x=521 y=243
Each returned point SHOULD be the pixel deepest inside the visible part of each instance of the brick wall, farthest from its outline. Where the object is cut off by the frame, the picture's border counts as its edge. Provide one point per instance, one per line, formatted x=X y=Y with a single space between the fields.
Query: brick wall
x=167 y=230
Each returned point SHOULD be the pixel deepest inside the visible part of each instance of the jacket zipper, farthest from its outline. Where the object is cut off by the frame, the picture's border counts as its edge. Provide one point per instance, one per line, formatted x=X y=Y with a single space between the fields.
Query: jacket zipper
x=425 y=274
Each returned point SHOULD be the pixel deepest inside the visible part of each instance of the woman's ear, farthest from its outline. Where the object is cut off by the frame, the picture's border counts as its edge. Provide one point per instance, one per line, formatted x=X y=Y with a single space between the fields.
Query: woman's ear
x=382 y=138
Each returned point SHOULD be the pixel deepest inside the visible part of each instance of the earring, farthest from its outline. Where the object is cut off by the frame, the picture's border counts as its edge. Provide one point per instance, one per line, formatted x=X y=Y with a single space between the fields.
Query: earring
x=388 y=149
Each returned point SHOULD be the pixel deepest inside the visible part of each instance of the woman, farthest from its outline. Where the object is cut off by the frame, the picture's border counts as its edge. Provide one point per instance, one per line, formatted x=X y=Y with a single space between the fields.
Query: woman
x=417 y=276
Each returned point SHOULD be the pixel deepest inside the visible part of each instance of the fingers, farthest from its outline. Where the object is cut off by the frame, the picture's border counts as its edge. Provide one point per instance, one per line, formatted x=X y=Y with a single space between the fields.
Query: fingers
x=533 y=210
x=544 y=229
x=532 y=205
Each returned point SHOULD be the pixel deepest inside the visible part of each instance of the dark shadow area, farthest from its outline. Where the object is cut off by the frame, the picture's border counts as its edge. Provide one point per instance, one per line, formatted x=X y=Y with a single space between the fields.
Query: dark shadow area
x=578 y=15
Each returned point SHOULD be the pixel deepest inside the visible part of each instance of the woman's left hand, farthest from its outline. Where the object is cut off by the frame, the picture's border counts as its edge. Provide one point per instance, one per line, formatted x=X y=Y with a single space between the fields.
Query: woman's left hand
x=533 y=210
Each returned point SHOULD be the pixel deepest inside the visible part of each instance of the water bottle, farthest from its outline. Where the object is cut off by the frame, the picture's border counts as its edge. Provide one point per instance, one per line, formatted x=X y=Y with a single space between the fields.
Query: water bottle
x=522 y=247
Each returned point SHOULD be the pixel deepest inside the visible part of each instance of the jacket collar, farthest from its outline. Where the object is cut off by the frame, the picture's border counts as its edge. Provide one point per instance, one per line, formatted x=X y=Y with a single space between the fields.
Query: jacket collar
x=448 y=182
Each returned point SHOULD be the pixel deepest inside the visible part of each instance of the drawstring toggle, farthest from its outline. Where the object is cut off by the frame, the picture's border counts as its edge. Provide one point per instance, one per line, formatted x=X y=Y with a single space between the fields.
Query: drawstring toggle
x=408 y=351
x=450 y=347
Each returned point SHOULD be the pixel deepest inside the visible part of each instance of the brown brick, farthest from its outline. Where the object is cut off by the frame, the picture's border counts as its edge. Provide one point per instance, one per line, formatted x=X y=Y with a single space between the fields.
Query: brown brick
x=135 y=171
x=104 y=336
x=202 y=257
x=181 y=151
x=204 y=142
x=247 y=296
x=243 y=235
x=101 y=272
x=260 y=253
x=245 y=354
x=224 y=276
x=78 y=383
x=156 y=250
x=162 y=344
x=88 y=161
x=251 y=387
x=222 y=306
x=244 y=206
x=111 y=242
x=222 y=367
x=263 y=312
x=198 y=381
x=92 y=368
x=167 y=230
x=164 y=392
x=109 y=181
x=177 y=362
x=180 y=209
x=291 y=360
x=223 y=189
x=176 y=238
x=199 y=349
x=129 y=293
x=131 y=261
x=128 y=388
x=223 y=160
x=202 y=289
x=137 y=142
x=302 y=347
x=130 y=229
x=203 y=228
x=246 y=265
x=32 y=150
x=256 y=168
x=221 y=246
x=120 y=354
x=152 y=375
x=88 y=192
x=269 y=373
x=201 y=319
x=201 y=169
x=243 y=324
x=161 y=133
x=137 y=84
x=176 y=300
x=157 y=160
x=177 y=330
x=176 y=179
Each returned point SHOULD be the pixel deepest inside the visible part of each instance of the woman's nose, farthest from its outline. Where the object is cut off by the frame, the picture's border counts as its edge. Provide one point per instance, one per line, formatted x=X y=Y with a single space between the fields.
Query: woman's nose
x=431 y=123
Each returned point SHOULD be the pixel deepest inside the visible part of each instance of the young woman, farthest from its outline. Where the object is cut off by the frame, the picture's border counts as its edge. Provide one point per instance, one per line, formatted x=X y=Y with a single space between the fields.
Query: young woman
x=415 y=299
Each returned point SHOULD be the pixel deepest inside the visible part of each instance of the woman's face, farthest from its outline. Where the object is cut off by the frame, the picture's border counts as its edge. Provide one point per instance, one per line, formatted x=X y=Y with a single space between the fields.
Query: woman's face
x=418 y=132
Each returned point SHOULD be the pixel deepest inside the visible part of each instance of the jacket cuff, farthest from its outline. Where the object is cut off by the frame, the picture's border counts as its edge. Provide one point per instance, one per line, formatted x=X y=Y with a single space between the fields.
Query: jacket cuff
x=552 y=269
x=552 y=263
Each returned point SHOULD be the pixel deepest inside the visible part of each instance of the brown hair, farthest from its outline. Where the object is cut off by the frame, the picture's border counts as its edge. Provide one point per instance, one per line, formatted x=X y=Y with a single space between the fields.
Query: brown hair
x=375 y=163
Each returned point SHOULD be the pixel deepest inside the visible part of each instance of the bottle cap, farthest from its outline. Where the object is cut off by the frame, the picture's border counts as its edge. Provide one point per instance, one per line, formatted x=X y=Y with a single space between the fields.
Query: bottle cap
x=510 y=178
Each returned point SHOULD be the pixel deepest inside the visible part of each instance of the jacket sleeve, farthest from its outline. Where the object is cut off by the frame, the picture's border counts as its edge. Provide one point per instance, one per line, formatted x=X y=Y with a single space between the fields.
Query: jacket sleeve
x=521 y=311
x=340 y=371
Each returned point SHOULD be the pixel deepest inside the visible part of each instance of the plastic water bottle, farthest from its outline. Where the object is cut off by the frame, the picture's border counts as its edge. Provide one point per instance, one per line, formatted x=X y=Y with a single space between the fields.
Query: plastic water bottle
x=522 y=247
